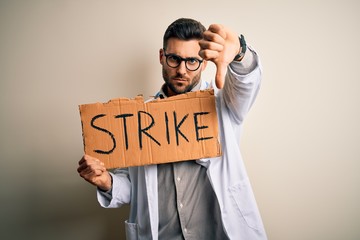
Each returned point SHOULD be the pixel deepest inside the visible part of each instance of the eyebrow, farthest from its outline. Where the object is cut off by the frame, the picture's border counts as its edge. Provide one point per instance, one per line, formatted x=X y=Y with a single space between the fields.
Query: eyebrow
x=182 y=58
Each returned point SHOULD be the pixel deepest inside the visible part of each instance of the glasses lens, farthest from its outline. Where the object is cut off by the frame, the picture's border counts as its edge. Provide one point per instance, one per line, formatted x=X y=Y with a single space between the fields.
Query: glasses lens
x=192 y=64
x=173 y=60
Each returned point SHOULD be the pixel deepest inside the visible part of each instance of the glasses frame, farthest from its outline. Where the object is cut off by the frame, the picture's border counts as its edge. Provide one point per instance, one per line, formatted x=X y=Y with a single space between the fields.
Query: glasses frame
x=167 y=55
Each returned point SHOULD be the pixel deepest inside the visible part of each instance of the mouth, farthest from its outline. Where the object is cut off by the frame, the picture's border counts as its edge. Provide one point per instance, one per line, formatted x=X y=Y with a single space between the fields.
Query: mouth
x=180 y=79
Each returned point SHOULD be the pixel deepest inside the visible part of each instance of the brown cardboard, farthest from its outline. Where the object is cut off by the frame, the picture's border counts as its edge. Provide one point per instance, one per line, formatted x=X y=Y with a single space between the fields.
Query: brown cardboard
x=128 y=132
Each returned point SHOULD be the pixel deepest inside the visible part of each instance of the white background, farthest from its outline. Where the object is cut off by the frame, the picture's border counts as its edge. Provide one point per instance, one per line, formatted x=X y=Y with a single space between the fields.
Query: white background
x=301 y=138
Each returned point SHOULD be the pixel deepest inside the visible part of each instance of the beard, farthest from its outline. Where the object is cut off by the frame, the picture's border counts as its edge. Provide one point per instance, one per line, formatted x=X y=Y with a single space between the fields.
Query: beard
x=180 y=87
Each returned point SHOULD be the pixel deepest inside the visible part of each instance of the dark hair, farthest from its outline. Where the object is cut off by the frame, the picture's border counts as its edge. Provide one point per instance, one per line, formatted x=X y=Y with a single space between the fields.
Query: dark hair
x=184 y=29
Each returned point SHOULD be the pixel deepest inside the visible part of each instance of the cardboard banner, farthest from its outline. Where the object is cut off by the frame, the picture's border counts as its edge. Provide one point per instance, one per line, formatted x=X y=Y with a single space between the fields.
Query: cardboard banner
x=128 y=132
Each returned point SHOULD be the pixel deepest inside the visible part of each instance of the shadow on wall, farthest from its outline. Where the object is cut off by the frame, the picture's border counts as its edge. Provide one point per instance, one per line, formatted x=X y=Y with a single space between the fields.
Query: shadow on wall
x=56 y=205
x=42 y=196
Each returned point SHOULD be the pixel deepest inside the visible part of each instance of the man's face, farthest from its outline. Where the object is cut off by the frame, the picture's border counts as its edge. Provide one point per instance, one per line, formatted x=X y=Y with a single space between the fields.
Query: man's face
x=180 y=80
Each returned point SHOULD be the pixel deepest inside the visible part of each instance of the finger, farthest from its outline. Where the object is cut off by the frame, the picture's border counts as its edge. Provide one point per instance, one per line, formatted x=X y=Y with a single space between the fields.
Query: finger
x=82 y=166
x=214 y=37
x=87 y=159
x=218 y=29
x=93 y=168
x=204 y=45
x=91 y=164
x=220 y=75
x=93 y=173
x=90 y=158
x=82 y=160
x=89 y=174
x=208 y=54
x=80 y=169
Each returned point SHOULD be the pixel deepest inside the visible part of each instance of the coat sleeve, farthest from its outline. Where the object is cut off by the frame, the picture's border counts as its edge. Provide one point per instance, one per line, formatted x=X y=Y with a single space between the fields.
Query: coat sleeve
x=120 y=191
x=242 y=83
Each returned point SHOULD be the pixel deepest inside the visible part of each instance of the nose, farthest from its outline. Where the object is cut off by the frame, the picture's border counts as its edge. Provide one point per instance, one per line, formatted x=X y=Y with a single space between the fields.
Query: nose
x=181 y=69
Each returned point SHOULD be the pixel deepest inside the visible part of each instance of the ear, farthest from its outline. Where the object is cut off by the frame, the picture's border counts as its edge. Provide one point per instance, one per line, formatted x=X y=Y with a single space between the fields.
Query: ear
x=161 y=55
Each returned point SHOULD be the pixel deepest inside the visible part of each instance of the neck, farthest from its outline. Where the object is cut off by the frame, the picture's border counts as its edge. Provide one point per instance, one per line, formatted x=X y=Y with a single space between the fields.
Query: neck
x=169 y=93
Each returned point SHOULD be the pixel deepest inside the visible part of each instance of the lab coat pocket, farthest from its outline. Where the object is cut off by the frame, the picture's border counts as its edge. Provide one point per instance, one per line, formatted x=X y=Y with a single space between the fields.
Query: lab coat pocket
x=131 y=230
x=242 y=195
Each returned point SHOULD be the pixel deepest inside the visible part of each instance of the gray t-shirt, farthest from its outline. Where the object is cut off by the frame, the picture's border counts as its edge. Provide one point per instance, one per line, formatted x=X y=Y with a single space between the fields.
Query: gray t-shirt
x=188 y=207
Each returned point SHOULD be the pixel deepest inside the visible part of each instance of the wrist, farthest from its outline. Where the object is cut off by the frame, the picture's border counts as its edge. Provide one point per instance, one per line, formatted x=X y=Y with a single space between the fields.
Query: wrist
x=242 y=50
x=108 y=184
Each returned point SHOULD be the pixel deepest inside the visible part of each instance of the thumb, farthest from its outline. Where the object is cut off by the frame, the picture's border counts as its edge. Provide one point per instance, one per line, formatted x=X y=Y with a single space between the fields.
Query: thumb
x=220 y=75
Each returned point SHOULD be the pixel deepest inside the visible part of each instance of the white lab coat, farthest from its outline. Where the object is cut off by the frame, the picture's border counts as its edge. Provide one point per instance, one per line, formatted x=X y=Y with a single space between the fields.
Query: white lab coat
x=240 y=216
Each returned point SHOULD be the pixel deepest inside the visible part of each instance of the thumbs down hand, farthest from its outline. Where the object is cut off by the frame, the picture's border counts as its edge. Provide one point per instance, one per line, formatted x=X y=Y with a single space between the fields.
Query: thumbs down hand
x=219 y=45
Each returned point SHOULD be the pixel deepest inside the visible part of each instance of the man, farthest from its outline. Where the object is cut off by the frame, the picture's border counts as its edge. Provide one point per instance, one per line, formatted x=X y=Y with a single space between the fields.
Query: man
x=207 y=198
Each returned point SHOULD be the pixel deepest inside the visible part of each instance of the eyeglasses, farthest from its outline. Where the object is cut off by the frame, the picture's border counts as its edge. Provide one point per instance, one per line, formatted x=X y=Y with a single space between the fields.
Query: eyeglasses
x=191 y=63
